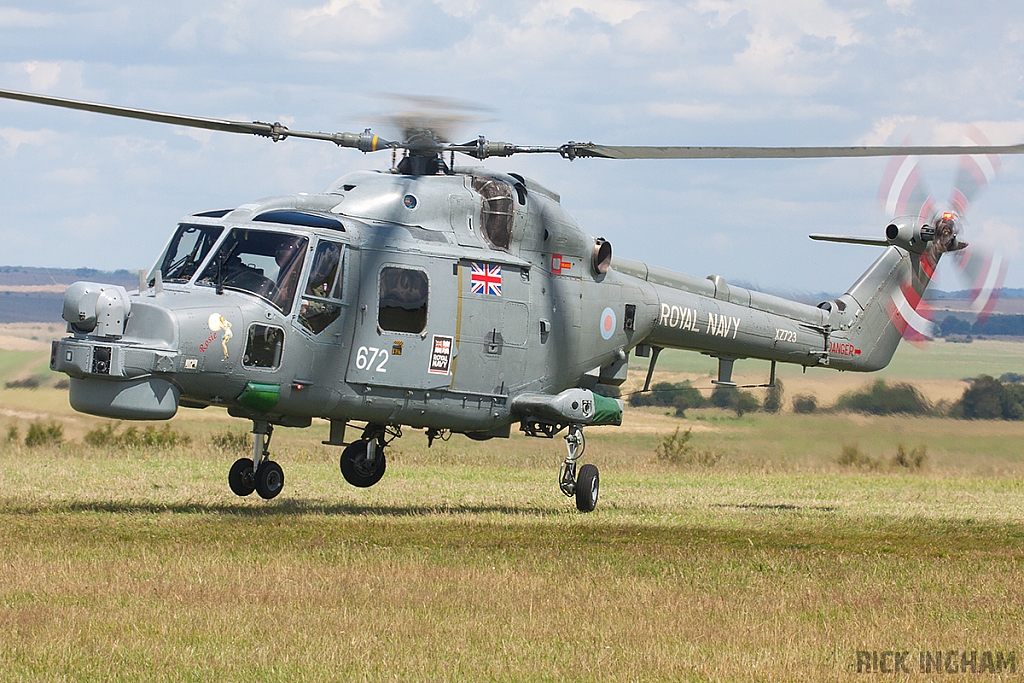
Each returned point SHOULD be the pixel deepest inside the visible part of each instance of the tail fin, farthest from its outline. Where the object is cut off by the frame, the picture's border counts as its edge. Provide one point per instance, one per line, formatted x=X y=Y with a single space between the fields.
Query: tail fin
x=889 y=306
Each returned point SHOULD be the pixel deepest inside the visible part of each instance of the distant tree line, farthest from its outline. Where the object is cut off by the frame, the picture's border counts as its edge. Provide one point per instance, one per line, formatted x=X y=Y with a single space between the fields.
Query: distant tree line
x=1012 y=325
x=985 y=398
x=682 y=397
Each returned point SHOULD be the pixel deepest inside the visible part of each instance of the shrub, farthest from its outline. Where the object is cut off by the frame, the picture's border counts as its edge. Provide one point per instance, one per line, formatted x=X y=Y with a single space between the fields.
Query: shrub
x=40 y=434
x=13 y=435
x=31 y=382
x=608 y=390
x=746 y=402
x=101 y=436
x=232 y=441
x=884 y=399
x=773 y=398
x=732 y=398
x=989 y=399
x=805 y=404
x=107 y=436
x=665 y=394
x=852 y=457
x=914 y=460
x=953 y=325
x=687 y=397
x=676 y=449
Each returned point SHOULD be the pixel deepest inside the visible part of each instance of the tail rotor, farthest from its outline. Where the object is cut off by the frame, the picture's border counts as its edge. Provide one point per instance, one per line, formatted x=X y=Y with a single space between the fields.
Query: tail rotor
x=903 y=192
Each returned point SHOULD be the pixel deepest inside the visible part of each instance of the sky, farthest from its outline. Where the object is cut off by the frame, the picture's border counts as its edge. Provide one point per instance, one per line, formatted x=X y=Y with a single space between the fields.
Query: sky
x=84 y=190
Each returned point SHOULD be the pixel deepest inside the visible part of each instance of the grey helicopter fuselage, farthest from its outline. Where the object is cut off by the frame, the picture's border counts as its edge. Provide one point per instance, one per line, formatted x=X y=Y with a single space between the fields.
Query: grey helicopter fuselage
x=489 y=320
x=450 y=297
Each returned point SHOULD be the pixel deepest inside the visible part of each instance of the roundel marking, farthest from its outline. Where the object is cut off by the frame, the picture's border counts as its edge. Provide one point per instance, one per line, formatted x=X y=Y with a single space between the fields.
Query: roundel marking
x=607 y=323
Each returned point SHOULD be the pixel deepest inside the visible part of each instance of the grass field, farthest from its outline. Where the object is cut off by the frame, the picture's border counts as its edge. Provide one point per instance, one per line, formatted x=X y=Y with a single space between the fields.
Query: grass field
x=465 y=563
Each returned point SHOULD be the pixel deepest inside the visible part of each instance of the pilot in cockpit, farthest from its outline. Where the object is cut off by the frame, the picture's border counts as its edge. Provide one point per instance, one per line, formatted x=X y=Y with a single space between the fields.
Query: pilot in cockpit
x=289 y=263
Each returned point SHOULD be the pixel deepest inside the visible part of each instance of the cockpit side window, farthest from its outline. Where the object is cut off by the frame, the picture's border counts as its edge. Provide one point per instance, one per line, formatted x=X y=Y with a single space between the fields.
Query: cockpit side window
x=403 y=300
x=496 y=214
x=267 y=264
x=326 y=276
x=187 y=250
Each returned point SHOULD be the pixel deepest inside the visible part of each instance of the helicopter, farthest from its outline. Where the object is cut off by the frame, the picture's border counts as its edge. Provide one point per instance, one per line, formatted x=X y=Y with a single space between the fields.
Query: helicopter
x=450 y=299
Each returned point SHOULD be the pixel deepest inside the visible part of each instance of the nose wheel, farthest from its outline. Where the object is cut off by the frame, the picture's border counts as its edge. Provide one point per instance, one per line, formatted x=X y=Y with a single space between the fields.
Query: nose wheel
x=584 y=486
x=259 y=473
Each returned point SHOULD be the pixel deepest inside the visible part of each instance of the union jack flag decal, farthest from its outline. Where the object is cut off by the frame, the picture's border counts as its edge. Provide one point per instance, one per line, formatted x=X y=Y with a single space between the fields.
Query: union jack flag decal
x=485 y=279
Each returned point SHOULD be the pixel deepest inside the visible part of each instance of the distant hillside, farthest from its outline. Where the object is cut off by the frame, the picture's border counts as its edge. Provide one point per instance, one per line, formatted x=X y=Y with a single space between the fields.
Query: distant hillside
x=25 y=276
x=29 y=295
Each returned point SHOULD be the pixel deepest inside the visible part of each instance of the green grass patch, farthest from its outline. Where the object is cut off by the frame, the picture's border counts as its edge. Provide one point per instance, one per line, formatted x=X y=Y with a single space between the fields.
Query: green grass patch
x=13 y=363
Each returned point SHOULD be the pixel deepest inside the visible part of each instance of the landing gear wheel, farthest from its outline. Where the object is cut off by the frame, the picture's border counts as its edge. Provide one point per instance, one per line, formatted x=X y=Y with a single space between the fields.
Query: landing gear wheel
x=240 y=477
x=587 y=484
x=269 y=479
x=358 y=468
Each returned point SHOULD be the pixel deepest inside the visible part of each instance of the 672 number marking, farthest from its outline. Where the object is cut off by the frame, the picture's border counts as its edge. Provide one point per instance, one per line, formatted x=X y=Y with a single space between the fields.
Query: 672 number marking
x=366 y=356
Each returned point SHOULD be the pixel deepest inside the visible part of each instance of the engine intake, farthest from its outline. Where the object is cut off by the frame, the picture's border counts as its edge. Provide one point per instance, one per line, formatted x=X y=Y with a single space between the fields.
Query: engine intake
x=909 y=233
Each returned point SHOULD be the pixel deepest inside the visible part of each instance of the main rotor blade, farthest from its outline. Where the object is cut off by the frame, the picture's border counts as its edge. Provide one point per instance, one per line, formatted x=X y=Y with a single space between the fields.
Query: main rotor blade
x=365 y=142
x=575 y=149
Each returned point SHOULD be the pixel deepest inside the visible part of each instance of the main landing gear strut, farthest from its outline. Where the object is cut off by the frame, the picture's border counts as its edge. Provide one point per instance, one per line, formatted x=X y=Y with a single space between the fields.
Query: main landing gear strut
x=584 y=485
x=259 y=473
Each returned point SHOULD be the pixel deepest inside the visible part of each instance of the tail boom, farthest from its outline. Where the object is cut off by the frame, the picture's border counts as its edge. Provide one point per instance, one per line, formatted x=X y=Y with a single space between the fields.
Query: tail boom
x=858 y=331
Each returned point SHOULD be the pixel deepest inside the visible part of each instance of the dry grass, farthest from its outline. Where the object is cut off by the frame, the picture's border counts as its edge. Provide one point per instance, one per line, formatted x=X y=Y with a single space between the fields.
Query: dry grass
x=136 y=565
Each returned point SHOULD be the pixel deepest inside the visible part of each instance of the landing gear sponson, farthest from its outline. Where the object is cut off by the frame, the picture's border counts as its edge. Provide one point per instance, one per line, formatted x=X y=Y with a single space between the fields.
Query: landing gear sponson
x=546 y=415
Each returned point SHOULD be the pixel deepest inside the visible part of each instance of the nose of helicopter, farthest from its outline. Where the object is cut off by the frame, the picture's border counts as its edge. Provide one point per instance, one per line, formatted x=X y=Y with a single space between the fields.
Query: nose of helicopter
x=121 y=355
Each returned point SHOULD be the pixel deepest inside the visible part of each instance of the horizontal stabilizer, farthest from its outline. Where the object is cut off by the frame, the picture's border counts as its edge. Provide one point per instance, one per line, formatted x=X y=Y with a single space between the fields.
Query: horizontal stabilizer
x=852 y=239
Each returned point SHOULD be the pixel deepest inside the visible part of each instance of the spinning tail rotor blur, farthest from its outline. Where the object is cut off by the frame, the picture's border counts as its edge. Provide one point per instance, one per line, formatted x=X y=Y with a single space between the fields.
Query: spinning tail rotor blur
x=903 y=192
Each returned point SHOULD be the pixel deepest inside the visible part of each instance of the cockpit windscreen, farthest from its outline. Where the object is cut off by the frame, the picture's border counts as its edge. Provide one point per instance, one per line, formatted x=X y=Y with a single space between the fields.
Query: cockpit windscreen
x=267 y=264
x=187 y=249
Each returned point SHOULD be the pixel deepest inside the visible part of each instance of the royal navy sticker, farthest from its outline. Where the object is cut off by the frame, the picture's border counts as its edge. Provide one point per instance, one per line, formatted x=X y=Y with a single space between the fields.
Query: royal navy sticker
x=441 y=354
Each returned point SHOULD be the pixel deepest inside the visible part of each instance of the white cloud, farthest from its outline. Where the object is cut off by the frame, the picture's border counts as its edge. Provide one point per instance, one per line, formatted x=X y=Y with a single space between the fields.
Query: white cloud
x=91 y=225
x=459 y=8
x=609 y=11
x=995 y=233
x=17 y=18
x=901 y=6
x=42 y=75
x=885 y=129
x=73 y=176
x=16 y=137
x=695 y=112
x=334 y=8
x=633 y=72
